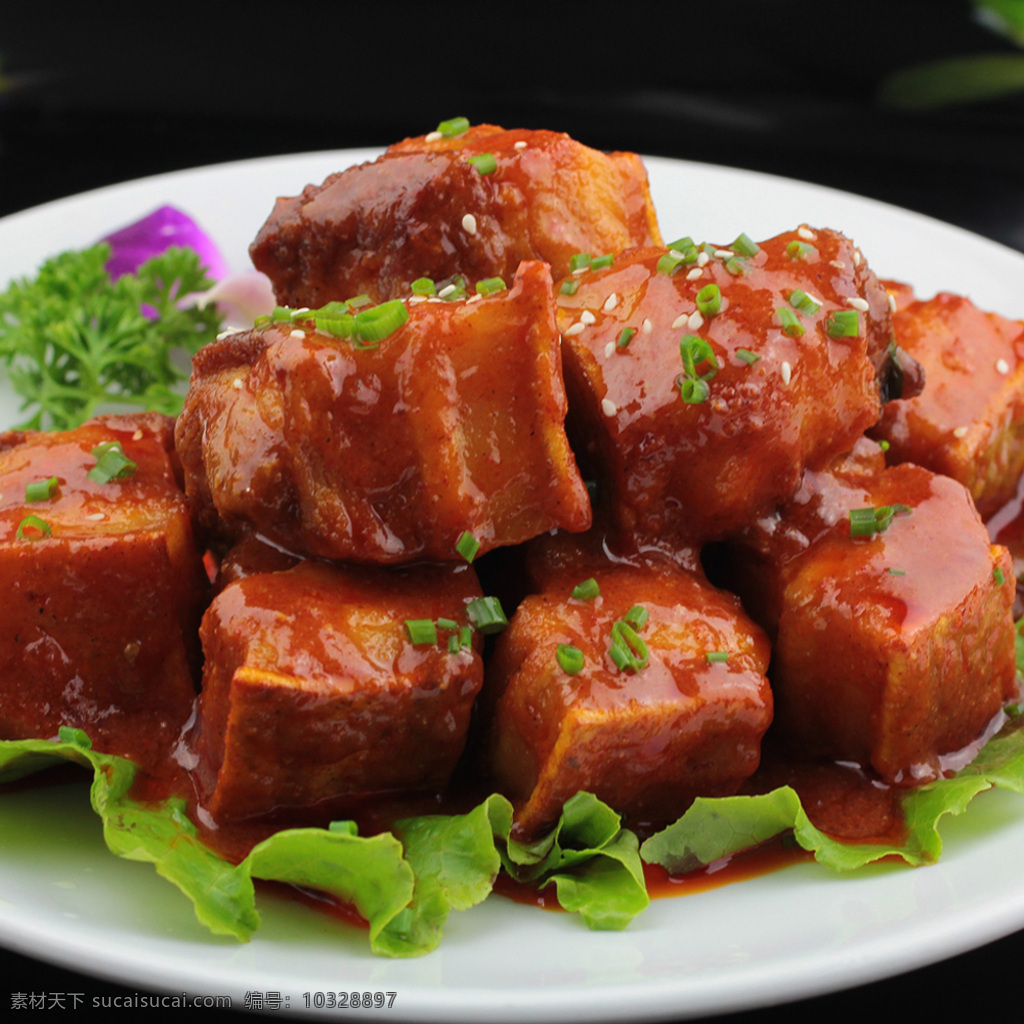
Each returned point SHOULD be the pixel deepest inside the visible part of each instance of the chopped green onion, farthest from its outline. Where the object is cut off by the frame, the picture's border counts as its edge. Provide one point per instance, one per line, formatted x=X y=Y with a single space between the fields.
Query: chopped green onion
x=746 y=356
x=693 y=391
x=843 y=323
x=789 y=322
x=637 y=616
x=32 y=525
x=375 y=324
x=41 y=490
x=628 y=649
x=490 y=286
x=884 y=445
x=111 y=463
x=486 y=614
x=569 y=286
x=625 y=337
x=715 y=657
x=682 y=245
x=587 y=590
x=600 y=262
x=803 y=303
x=421 y=631
x=801 y=250
x=896 y=572
x=745 y=246
x=454 y=126
x=359 y=301
x=453 y=289
x=866 y=522
x=736 y=265
x=579 y=261
x=998 y=575
x=423 y=286
x=569 y=658
x=709 y=300
x=694 y=351
x=465 y=636
x=453 y=644
x=467 y=546
x=443 y=623
x=484 y=163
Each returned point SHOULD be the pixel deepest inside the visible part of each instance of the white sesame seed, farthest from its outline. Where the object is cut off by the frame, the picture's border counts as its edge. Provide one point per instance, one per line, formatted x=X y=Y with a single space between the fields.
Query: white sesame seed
x=702 y=258
x=680 y=321
x=137 y=436
x=960 y=432
x=694 y=274
x=608 y=407
x=469 y=224
x=447 y=290
x=647 y=326
x=858 y=303
x=695 y=320
x=576 y=328
x=892 y=303
x=433 y=137
x=724 y=254
x=806 y=233
x=475 y=297
x=521 y=144
x=586 y=317
x=296 y=334
x=814 y=299
x=838 y=264
x=415 y=300
x=1002 y=366
x=237 y=383
x=97 y=516
x=787 y=372
x=856 y=257
x=610 y=303
x=609 y=350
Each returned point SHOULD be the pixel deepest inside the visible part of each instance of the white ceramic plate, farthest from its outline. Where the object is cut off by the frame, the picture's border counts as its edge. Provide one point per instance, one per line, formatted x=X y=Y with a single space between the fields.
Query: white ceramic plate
x=799 y=932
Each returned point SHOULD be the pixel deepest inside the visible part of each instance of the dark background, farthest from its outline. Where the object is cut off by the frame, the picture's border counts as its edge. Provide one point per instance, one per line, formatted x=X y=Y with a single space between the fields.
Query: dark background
x=101 y=93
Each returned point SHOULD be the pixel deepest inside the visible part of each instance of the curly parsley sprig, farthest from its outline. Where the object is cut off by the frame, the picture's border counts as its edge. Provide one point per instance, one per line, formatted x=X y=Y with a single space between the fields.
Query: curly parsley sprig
x=74 y=342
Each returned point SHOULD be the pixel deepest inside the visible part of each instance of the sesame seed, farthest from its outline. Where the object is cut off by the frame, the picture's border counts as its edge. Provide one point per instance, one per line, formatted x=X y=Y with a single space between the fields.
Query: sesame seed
x=838 y=264
x=447 y=290
x=695 y=320
x=695 y=273
x=608 y=407
x=856 y=257
x=475 y=297
x=521 y=144
x=576 y=328
x=787 y=372
x=1002 y=366
x=702 y=258
x=609 y=350
x=469 y=224
x=724 y=254
x=806 y=233
x=137 y=436
x=680 y=321
x=610 y=303
x=586 y=317
x=960 y=432
x=296 y=334
x=892 y=303
x=858 y=303
x=647 y=326
x=97 y=516
x=237 y=383
x=415 y=300
x=433 y=137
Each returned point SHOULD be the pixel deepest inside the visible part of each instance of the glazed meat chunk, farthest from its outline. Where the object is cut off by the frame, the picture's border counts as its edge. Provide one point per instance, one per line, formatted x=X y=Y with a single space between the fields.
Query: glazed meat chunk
x=474 y=204
x=667 y=699
x=314 y=692
x=968 y=421
x=890 y=613
x=103 y=587
x=702 y=382
x=388 y=452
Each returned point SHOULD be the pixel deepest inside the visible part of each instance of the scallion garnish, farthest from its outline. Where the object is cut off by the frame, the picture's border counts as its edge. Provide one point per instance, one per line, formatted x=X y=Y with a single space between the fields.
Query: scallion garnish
x=421 y=631
x=587 y=590
x=744 y=355
x=801 y=250
x=866 y=522
x=579 y=261
x=490 y=286
x=486 y=614
x=453 y=289
x=423 y=286
x=111 y=463
x=692 y=385
x=637 y=616
x=627 y=648
x=599 y=262
x=745 y=246
x=41 y=490
x=625 y=337
x=669 y=263
x=569 y=286
x=716 y=657
x=709 y=300
x=484 y=162
x=790 y=322
x=843 y=323
x=379 y=322
x=803 y=303
x=998 y=576
x=454 y=126
x=569 y=658
x=467 y=546
x=33 y=528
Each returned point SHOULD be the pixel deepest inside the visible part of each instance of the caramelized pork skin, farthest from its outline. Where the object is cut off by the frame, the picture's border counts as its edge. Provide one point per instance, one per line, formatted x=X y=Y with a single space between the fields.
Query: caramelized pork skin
x=382 y=455
x=782 y=394
x=968 y=422
x=376 y=228
x=314 y=692
x=893 y=649
x=646 y=741
x=103 y=591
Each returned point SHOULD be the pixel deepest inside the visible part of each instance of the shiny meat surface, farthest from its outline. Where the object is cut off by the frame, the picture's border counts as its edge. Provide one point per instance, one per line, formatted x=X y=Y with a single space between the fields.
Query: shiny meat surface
x=424 y=210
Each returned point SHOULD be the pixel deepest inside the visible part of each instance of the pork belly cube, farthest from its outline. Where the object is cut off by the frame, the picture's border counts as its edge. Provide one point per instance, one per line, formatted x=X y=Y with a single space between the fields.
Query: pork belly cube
x=892 y=649
x=103 y=588
x=703 y=382
x=315 y=691
x=645 y=738
x=385 y=454
x=968 y=421
x=429 y=207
